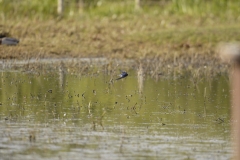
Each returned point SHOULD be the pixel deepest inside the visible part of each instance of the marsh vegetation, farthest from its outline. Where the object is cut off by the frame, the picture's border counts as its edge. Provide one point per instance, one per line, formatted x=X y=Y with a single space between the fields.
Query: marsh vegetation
x=58 y=94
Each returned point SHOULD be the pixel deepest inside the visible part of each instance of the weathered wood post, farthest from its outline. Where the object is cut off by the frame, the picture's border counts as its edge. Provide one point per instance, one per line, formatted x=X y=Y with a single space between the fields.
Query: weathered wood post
x=137 y=4
x=230 y=52
x=80 y=6
x=60 y=7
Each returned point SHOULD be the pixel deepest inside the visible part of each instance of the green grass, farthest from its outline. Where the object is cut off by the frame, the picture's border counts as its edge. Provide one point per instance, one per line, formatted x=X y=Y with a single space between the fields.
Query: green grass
x=199 y=35
x=27 y=8
x=47 y=9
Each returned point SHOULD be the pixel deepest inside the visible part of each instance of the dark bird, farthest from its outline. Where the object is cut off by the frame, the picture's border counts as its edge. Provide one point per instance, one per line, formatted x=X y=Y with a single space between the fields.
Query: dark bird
x=122 y=75
x=9 y=41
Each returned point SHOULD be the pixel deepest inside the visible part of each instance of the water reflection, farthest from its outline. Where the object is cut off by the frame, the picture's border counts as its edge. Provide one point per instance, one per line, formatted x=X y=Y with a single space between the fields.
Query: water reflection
x=59 y=115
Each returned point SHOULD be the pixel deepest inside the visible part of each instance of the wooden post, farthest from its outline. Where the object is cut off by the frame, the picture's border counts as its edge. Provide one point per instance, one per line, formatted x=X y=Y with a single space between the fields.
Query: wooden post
x=80 y=6
x=230 y=52
x=60 y=7
x=137 y=5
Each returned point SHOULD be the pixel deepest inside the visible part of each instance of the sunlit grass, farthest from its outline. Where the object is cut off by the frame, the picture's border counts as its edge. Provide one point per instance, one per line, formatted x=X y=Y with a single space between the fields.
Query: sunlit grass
x=27 y=8
x=48 y=8
x=203 y=7
x=198 y=35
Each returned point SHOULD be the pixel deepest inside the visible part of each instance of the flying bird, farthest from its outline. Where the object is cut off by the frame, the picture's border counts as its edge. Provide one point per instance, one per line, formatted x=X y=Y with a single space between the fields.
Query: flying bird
x=122 y=75
x=9 y=41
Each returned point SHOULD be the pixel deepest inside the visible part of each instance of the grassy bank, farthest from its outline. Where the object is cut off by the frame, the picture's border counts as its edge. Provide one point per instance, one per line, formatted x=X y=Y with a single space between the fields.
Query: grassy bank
x=115 y=29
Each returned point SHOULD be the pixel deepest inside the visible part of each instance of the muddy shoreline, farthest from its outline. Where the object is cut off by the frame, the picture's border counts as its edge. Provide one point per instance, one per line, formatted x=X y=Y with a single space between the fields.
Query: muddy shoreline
x=157 y=67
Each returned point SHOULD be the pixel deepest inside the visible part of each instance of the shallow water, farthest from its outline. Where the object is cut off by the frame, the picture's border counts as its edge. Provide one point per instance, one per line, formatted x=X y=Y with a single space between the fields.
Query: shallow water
x=62 y=115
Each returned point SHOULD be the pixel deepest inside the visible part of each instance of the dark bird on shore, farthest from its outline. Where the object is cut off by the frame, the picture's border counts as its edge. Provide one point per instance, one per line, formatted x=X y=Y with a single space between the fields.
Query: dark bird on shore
x=9 y=41
x=122 y=75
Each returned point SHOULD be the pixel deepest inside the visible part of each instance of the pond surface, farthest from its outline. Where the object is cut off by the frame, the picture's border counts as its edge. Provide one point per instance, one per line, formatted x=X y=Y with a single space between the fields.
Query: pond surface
x=63 y=115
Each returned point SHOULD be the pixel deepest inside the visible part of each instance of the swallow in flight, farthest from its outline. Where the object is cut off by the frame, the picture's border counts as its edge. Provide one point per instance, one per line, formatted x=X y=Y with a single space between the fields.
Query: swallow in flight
x=122 y=75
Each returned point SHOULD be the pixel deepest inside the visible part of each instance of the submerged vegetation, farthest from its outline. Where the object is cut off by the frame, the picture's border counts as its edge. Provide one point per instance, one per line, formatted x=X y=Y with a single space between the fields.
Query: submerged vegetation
x=53 y=113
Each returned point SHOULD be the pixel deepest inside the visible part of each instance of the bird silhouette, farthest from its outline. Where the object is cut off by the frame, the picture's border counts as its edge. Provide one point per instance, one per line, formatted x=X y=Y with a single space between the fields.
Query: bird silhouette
x=122 y=75
x=9 y=41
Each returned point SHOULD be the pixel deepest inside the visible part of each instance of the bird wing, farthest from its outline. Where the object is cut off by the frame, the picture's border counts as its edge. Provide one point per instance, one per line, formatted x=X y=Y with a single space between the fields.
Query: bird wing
x=10 y=41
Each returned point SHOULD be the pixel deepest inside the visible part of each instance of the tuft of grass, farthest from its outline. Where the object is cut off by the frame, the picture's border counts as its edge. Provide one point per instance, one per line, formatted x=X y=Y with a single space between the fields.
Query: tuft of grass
x=27 y=8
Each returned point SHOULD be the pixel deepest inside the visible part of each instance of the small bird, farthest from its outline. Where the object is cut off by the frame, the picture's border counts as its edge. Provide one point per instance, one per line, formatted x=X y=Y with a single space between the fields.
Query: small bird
x=9 y=41
x=122 y=75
